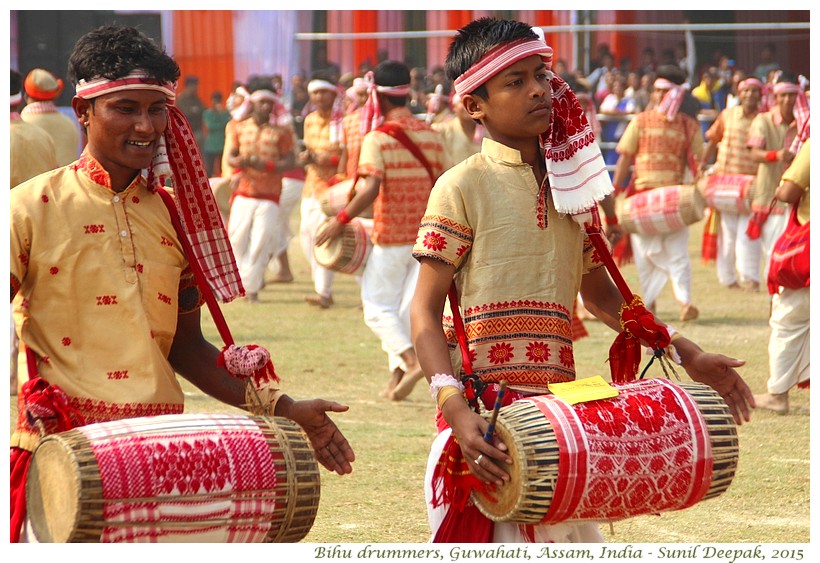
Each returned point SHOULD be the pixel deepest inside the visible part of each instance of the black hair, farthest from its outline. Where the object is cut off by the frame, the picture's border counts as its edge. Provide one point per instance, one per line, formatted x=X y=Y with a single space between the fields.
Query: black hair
x=672 y=73
x=16 y=82
x=786 y=77
x=392 y=73
x=325 y=74
x=257 y=82
x=478 y=37
x=115 y=51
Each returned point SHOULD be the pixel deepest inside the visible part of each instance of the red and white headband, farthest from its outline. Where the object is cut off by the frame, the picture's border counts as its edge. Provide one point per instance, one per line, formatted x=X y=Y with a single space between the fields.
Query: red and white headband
x=499 y=58
x=750 y=83
x=372 y=114
x=136 y=80
x=787 y=88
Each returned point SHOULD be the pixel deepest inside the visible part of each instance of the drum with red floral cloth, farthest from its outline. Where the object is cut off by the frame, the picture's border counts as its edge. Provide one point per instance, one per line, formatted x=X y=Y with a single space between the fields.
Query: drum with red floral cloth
x=662 y=210
x=175 y=478
x=730 y=193
x=656 y=447
x=347 y=253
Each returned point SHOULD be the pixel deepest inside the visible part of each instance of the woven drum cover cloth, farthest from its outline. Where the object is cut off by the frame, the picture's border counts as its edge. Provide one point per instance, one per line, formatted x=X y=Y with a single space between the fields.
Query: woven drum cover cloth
x=209 y=454
x=663 y=210
x=731 y=193
x=645 y=451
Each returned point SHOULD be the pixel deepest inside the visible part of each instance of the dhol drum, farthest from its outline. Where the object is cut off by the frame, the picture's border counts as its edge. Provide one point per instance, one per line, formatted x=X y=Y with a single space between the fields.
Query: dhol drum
x=175 y=478
x=348 y=252
x=729 y=193
x=657 y=447
x=662 y=210
x=336 y=197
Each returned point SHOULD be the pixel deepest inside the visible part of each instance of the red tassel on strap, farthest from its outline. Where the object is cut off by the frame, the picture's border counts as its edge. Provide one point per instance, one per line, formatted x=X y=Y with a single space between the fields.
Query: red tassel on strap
x=49 y=404
x=637 y=323
x=251 y=361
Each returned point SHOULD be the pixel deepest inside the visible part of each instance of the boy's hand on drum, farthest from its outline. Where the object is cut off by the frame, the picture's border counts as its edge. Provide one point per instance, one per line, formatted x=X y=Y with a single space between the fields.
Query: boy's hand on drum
x=329 y=230
x=482 y=457
x=329 y=444
x=718 y=372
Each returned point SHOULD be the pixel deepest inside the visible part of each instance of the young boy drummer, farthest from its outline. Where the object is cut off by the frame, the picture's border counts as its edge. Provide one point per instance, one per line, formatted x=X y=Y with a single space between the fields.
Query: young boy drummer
x=507 y=226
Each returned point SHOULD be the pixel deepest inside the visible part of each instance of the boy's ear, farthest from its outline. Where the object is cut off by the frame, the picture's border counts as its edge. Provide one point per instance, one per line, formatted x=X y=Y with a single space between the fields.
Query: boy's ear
x=473 y=105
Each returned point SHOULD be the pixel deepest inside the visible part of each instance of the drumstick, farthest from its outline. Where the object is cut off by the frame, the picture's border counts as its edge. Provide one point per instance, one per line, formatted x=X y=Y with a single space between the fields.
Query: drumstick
x=488 y=435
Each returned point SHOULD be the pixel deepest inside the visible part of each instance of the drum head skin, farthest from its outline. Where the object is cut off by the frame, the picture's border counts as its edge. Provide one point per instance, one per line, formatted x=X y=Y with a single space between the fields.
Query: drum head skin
x=504 y=500
x=52 y=499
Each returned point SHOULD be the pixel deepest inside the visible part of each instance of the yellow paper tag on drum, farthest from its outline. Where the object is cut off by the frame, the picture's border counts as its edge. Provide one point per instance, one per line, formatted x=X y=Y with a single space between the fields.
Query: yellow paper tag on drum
x=583 y=390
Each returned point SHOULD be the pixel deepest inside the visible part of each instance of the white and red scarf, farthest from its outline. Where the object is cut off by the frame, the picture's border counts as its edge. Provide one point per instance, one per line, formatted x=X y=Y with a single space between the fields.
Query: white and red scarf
x=372 y=116
x=577 y=173
x=177 y=158
x=801 y=111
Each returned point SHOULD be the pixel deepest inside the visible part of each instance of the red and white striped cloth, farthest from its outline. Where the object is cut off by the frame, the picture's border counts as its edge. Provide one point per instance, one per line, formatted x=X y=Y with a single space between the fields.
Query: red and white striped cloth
x=184 y=470
x=729 y=193
x=661 y=210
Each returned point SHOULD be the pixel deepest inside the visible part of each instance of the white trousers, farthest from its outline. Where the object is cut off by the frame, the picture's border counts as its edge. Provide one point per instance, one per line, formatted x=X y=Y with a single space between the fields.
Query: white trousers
x=505 y=532
x=662 y=257
x=772 y=229
x=789 y=341
x=291 y=195
x=253 y=228
x=738 y=255
x=388 y=284
x=312 y=218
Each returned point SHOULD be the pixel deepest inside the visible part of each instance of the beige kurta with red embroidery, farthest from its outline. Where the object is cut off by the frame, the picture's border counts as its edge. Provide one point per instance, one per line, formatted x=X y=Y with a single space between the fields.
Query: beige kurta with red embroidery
x=101 y=278
x=518 y=266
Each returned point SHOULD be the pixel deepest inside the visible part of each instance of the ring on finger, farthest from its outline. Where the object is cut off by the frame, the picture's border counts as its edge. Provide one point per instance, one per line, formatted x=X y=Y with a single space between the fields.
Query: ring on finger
x=478 y=459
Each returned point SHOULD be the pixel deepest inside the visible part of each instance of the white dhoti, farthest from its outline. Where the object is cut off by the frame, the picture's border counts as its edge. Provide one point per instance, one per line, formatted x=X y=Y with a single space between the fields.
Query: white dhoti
x=312 y=219
x=505 y=532
x=738 y=255
x=662 y=257
x=253 y=228
x=772 y=229
x=789 y=342
x=291 y=195
x=388 y=284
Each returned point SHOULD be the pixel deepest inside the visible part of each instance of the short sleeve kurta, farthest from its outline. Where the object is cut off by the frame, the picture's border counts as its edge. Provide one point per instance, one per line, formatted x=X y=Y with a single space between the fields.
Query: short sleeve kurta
x=100 y=278
x=516 y=276
x=770 y=133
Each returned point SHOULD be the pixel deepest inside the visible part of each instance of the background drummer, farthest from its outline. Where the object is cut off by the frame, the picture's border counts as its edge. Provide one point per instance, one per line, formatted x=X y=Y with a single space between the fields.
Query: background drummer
x=110 y=307
x=493 y=228
x=738 y=256
x=397 y=185
x=662 y=143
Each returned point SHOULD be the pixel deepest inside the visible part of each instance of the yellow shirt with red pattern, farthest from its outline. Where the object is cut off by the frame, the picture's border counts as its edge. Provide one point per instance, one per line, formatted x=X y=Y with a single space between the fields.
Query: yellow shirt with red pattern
x=317 y=140
x=268 y=143
x=405 y=182
x=101 y=278
x=519 y=265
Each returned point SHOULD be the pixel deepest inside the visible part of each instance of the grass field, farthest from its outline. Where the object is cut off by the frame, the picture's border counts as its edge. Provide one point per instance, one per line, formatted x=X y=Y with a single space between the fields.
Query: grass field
x=332 y=354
